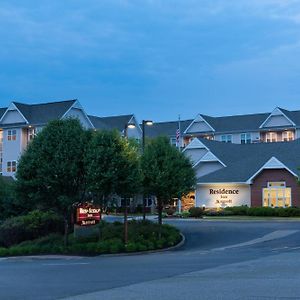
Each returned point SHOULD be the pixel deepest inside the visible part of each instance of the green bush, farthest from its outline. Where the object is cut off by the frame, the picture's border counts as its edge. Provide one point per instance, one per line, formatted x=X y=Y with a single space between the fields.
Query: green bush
x=237 y=210
x=28 y=227
x=185 y=214
x=143 y=236
x=196 y=212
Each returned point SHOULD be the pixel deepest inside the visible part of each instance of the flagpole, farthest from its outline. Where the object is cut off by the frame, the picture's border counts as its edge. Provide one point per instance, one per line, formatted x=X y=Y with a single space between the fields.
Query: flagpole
x=179 y=148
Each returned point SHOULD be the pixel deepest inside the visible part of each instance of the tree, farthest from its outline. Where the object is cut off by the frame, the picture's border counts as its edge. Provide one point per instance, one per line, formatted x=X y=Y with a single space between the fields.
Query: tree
x=8 y=201
x=50 y=173
x=166 y=172
x=112 y=166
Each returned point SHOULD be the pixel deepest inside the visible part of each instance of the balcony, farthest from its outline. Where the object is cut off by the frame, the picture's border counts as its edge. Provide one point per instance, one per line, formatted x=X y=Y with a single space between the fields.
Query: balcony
x=277 y=136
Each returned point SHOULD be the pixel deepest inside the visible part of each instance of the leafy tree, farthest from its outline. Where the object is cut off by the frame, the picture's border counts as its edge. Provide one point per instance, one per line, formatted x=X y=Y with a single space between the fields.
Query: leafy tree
x=166 y=172
x=50 y=173
x=112 y=166
x=8 y=203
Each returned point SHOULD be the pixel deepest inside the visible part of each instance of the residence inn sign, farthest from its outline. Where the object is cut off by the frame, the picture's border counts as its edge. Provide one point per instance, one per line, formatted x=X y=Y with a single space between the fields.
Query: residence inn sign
x=219 y=195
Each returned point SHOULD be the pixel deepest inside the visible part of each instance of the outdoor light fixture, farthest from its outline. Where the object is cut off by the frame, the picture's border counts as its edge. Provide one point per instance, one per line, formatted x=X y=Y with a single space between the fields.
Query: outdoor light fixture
x=148 y=122
x=144 y=124
x=131 y=125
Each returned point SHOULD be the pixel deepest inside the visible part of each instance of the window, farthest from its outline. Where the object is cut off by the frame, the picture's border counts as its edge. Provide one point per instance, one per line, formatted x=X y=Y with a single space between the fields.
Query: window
x=277 y=195
x=11 y=166
x=271 y=137
x=227 y=138
x=31 y=133
x=149 y=200
x=173 y=141
x=246 y=138
x=287 y=136
x=11 y=135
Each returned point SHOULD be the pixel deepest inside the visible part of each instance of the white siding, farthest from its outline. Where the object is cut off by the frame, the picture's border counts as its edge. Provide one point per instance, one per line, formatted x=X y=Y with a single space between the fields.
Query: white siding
x=236 y=137
x=195 y=154
x=199 y=127
x=78 y=114
x=13 y=116
x=207 y=167
x=211 y=200
x=11 y=149
x=277 y=121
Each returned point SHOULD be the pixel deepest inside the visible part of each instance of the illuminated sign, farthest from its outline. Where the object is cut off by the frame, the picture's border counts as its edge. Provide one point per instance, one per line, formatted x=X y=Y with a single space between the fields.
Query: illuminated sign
x=88 y=215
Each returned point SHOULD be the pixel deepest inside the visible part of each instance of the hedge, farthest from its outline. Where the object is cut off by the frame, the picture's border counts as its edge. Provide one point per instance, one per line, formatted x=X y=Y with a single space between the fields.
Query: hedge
x=28 y=227
x=264 y=211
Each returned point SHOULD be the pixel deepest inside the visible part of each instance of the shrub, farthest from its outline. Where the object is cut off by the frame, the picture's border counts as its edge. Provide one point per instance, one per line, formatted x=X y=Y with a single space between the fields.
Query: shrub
x=196 y=212
x=237 y=210
x=185 y=214
x=28 y=227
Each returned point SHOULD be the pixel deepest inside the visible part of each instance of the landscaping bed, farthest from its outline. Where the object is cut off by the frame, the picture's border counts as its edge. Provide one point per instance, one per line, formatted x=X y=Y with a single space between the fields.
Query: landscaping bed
x=107 y=238
x=198 y=212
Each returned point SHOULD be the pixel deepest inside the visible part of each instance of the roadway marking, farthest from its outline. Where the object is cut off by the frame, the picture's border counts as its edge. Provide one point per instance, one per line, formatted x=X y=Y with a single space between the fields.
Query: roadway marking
x=278 y=234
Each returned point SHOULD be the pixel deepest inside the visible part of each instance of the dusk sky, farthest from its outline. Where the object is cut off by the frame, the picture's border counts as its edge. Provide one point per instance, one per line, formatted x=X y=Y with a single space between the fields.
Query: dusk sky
x=154 y=58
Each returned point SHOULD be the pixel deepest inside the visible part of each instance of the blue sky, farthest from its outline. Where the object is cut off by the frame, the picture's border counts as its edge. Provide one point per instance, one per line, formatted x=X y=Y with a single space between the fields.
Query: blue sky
x=155 y=58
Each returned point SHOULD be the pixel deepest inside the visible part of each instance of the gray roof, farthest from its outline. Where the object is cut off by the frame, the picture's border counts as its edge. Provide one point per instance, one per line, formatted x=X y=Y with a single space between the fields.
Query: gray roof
x=44 y=112
x=246 y=123
x=166 y=128
x=108 y=123
x=236 y=123
x=243 y=161
x=2 y=111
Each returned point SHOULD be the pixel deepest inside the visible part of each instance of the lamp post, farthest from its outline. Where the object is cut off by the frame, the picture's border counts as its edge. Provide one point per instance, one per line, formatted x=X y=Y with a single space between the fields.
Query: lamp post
x=127 y=125
x=144 y=124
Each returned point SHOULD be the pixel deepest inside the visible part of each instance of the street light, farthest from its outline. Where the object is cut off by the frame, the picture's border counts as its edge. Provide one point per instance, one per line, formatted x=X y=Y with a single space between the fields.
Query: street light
x=131 y=126
x=144 y=124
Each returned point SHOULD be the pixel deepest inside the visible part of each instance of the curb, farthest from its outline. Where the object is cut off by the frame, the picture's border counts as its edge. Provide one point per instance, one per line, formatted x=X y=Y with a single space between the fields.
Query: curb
x=42 y=257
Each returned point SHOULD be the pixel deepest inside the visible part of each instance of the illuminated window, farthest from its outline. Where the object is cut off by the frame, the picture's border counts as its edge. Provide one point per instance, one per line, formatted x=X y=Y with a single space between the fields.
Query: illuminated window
x=226 y=138
x=287 y=136
x=11 y=166
x=245 y=138
x=11 y=135
x=271 y=137
x=277 y=195
x=31 y=133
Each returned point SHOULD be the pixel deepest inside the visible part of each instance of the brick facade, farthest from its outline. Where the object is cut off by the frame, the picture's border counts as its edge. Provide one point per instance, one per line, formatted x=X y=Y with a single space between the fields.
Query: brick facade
x=261 y=181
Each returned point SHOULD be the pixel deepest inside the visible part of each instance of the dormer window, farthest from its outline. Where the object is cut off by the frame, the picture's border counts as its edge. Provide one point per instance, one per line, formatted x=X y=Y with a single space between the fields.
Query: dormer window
x=288 y=136
x=12 y=135
x=271 y=137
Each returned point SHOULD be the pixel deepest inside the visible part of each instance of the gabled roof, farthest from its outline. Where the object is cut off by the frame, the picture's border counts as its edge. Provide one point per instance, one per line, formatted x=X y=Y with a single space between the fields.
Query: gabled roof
x=276 y=112
x=239 y=123
x=108 y=123
x=44 y=112
x=166 y=128
x=243 y=161
x=2 y=111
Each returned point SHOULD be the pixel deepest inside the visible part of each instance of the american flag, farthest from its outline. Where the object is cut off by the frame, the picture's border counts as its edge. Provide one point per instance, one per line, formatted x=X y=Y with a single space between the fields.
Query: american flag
x=177 y=137
x=178 y=134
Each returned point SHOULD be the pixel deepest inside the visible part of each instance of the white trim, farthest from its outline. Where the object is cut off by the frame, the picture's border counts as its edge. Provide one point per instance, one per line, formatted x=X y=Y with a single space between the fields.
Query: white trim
x=218 y=183
x=275 y=113
x=208 y=157
x=199 y=118
x=136 y=123
x=195 y=144
x=272 y=163
x=77 y=105
x=13 y=107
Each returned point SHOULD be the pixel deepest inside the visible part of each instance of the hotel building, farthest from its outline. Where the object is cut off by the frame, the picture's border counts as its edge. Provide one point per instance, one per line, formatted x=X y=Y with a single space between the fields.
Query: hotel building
x=238 y=160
